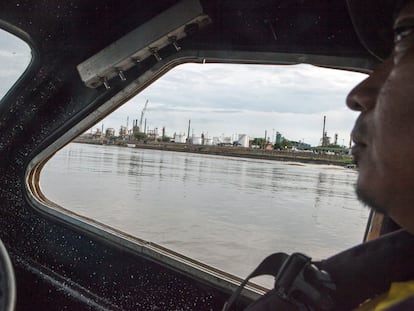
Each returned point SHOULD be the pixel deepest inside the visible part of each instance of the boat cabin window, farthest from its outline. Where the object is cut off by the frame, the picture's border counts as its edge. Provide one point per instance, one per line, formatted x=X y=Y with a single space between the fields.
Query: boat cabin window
x=223 y=163
x=15 y=56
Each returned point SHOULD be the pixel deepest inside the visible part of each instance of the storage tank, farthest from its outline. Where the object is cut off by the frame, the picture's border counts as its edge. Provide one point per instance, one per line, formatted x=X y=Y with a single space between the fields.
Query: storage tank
x=197 y=140
x=227 y=140
x=243 y=140
x=110 y=132
x=180 y=138
x=123 y=131
x=208 y=141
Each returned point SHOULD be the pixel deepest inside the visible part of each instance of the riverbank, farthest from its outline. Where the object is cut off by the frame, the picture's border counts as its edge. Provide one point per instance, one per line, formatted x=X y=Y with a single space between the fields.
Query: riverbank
x=240 y=152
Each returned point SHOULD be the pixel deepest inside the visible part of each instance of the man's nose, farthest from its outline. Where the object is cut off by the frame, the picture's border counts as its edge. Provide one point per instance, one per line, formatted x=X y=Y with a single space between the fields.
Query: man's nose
x=363 y=96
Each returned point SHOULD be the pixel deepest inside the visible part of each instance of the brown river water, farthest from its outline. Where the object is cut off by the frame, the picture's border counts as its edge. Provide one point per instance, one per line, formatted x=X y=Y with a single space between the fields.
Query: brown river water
x=227 y=212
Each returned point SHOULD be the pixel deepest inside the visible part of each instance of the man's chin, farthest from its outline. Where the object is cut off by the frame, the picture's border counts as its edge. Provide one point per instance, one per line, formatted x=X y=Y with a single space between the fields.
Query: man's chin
x=368 y=199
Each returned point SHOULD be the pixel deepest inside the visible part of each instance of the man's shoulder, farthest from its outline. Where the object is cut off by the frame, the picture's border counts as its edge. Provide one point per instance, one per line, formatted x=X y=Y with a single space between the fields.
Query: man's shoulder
x=406 y=304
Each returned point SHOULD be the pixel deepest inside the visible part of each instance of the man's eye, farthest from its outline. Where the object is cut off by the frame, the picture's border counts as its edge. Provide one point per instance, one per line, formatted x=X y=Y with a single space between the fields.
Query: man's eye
x=402 y=32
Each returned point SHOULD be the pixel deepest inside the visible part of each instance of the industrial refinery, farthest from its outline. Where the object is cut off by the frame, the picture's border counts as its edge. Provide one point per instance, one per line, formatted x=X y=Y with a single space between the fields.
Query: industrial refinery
x=141 y=135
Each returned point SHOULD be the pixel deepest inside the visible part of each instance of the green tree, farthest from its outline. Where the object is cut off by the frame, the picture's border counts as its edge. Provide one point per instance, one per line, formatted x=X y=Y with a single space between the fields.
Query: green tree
x=259 y=142
x=140 y=136
x=285 y=144
x=277 y=146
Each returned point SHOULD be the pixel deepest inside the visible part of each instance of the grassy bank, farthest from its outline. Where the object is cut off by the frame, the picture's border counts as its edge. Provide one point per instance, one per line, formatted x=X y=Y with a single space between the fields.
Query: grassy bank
x=277 y=155
x=297 y=156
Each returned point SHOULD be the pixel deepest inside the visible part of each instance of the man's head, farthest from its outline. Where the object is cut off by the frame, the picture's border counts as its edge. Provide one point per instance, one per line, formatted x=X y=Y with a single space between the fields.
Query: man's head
x=384 y=131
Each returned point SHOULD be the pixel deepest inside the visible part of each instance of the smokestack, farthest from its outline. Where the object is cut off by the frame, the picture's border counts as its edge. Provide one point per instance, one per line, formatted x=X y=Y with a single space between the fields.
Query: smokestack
x=323 y=131
x=188 y=131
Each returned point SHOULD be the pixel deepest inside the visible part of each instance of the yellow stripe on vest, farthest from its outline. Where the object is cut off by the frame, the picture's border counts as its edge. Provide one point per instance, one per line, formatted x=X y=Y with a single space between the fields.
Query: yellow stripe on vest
x=398 y=292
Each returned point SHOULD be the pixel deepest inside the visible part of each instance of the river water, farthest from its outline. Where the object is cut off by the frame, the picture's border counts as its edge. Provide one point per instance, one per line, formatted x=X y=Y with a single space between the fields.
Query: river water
x=227 y=212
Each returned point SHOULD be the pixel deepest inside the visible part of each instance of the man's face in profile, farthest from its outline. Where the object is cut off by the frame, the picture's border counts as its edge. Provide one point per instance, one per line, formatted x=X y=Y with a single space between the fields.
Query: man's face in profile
x=384 y=131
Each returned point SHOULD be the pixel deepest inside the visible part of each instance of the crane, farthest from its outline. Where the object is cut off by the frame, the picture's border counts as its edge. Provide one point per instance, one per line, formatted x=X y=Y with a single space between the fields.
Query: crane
x=142 y=115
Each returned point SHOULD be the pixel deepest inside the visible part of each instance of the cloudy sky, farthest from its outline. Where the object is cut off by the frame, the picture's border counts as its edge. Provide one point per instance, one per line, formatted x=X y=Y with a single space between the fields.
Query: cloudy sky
x=247 y=99
x=227 y=100
x=14 y=59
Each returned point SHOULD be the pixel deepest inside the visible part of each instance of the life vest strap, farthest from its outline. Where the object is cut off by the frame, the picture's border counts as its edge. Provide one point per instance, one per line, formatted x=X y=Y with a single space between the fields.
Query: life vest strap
x=340 y=282
x=298 y=283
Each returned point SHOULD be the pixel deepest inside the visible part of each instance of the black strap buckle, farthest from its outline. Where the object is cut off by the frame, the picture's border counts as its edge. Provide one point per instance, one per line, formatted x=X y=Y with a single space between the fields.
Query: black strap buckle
x=297 y=281
x=303 y=284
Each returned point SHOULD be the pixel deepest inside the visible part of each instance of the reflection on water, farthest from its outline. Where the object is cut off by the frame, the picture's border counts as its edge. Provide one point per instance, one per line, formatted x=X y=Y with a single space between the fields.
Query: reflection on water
x=226 y=212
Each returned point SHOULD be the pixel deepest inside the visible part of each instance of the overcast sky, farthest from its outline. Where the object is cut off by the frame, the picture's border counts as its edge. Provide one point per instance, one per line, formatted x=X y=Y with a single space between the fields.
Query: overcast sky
x=246 y=99
x=14 y=59
x=228 y=99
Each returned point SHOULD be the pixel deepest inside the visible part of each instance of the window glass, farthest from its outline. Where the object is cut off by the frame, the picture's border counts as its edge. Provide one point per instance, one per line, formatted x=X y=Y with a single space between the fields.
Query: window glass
x=223 y=163
x=15 y=56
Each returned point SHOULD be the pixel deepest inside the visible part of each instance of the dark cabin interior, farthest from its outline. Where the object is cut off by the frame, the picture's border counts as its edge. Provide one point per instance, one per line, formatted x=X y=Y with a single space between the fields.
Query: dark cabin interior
x=61 y=262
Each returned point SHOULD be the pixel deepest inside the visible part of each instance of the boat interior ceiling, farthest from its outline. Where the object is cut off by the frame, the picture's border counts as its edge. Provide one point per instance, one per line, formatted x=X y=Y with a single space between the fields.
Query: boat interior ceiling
x=88 y=58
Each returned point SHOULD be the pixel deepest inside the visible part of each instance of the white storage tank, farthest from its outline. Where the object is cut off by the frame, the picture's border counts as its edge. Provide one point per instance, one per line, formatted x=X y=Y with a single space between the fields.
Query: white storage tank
x=243 y=140
x=180 y=138
x=110 y=132
x=208 y=141
x=197 y=140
